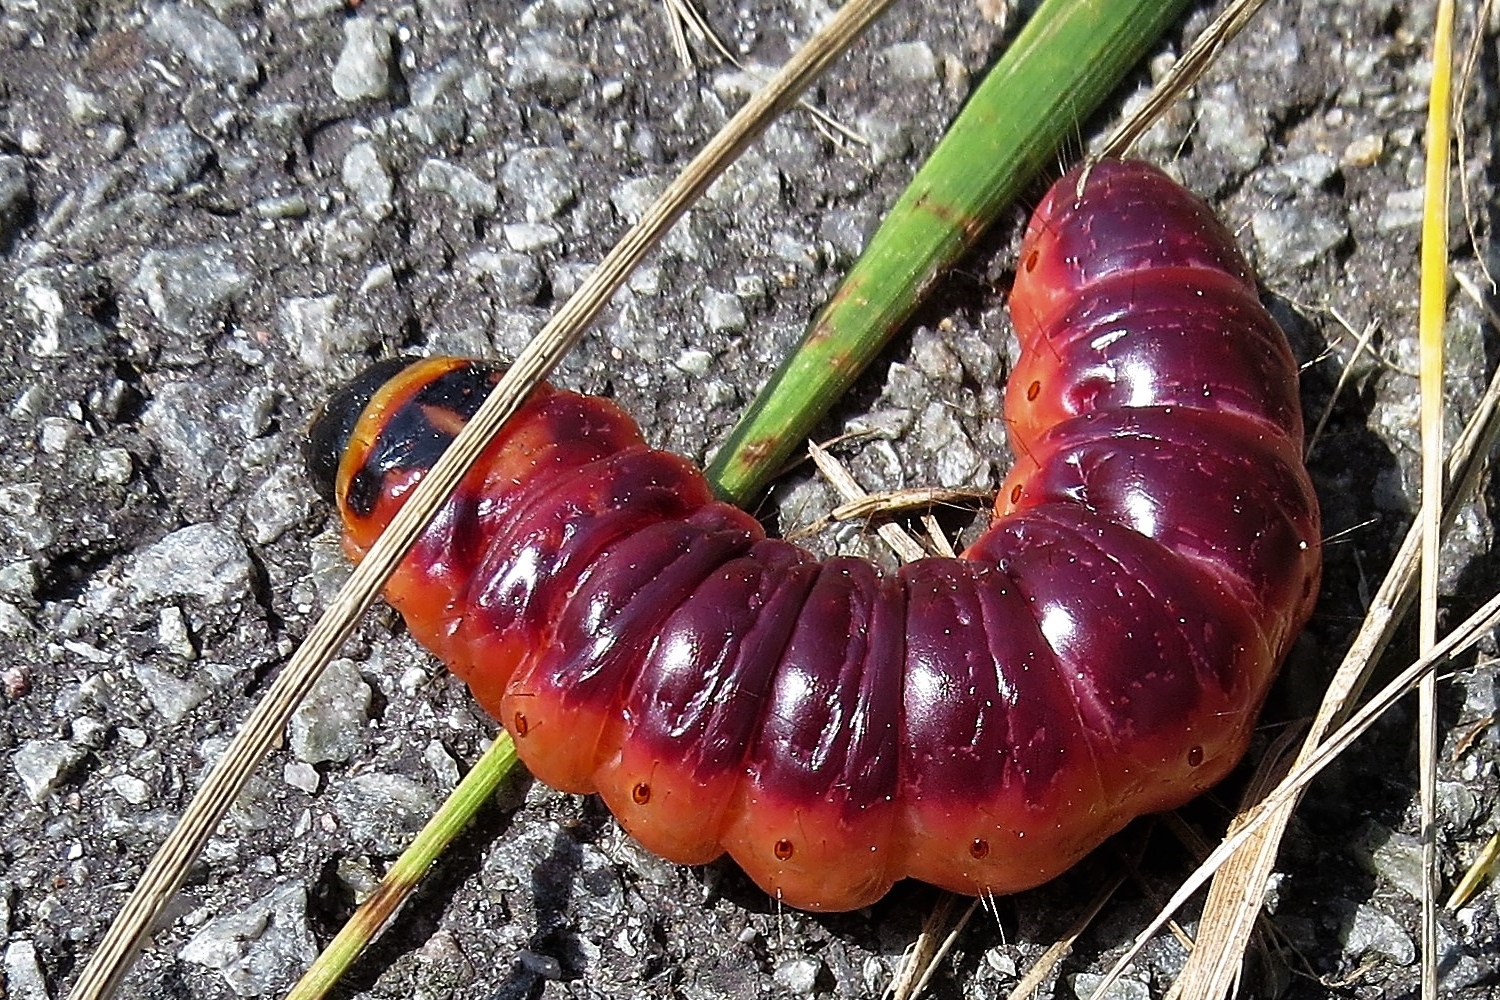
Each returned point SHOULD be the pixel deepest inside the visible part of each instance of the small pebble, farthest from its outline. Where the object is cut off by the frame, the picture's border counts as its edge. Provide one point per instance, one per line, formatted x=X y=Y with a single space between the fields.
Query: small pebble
x=382 y=812
x=1393 y=856
x=55 y=434
x=909 y=63
x=173 y=633
x=1226 y=126
x=462 y=186
x=286 y=206
x=322 y=332
x=379 y=276
x=514 y=278
x=31 y=403
x=190 y=443
x=799 y=976
x=1363 y=152
x=444 y=767
x=257 y=948
x=42 y=765
x=87 y=731
x=113 y=465
x=999 y=962
x=1286 y=242
x=131 y=789
x=889 y=139
x=173 y=158
x=958 y=462
x=308 y=9
x=278 y=504
x=547 y=64
x=631 y=198
x=1085 y=984
x=84 y=106
x=23 y=502
x=1369 y=931
x=189 y=288
x=303 y=777
x=529 y=237
x=363 y=70
x=330 y=724
x=1311 y=171
x=1402 y=210
x=694 y=361
x=203 y=41
x=202 y=561
x=723 y=312
x=544 y=180
x=366 y=178
x=15 y=680
x=20 y=579
x=24 y=979
x=171 y=696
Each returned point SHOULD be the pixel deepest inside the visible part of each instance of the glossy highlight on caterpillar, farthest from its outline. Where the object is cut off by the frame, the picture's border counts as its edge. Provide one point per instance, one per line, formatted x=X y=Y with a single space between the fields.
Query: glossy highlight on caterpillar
x=978 y=723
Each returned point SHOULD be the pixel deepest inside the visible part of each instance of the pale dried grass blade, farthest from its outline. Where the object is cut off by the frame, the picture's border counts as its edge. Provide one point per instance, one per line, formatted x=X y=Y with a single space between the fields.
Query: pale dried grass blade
x=1214 y=964
x=905 y=501
x=937 y=538
x=167 y=869
x=1183 y=74
x=677 y=23
x=1361 y=345
x=1048 y=961
x=684 y=16
x=907 y=548
x=928 y=952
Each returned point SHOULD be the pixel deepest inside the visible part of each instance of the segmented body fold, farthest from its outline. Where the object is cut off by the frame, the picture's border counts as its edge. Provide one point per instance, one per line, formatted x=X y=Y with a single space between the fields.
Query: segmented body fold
x=979 y=723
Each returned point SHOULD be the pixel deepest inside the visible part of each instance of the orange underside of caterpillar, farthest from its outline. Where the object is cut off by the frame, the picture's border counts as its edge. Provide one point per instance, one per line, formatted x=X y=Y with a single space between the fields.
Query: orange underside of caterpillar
x=978 y=723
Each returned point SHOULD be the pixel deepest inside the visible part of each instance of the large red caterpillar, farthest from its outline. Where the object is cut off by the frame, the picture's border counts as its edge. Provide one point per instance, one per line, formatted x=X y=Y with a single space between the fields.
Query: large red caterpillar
x=979 y=723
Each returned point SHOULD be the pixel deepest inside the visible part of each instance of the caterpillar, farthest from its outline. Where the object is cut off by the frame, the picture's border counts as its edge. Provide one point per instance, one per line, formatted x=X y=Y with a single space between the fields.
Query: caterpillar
x=978 y=723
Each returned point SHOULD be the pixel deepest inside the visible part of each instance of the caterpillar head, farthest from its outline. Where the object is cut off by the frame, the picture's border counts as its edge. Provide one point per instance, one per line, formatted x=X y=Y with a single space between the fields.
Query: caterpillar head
x=331 y=427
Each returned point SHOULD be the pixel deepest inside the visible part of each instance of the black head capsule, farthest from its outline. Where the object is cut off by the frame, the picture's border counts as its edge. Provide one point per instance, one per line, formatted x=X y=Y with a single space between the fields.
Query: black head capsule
x=328 y=434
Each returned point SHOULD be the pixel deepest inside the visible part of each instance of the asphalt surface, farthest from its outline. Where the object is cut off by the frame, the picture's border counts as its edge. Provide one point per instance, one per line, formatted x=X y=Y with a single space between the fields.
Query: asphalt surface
x=213 y=211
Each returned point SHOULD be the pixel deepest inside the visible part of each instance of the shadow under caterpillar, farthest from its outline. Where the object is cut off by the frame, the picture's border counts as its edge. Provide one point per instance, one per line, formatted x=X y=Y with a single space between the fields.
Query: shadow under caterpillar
x=978 y=723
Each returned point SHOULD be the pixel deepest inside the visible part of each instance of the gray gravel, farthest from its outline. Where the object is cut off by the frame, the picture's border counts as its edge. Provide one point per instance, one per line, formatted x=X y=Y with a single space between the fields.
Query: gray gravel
x=212 y=211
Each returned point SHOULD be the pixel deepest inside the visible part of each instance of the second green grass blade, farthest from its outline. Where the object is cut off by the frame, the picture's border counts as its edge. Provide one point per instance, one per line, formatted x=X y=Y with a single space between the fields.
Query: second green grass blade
x=1070 y=56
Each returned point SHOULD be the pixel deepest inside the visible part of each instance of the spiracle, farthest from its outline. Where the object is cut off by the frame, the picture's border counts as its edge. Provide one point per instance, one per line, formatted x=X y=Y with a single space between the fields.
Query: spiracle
x=979 y=723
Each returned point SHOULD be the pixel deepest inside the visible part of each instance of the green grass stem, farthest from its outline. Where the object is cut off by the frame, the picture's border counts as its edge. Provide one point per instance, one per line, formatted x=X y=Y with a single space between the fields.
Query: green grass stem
x=1066 y=61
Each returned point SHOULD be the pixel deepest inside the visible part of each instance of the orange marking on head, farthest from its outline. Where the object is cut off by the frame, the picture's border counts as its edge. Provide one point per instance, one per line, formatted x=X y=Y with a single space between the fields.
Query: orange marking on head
x=444 y=420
